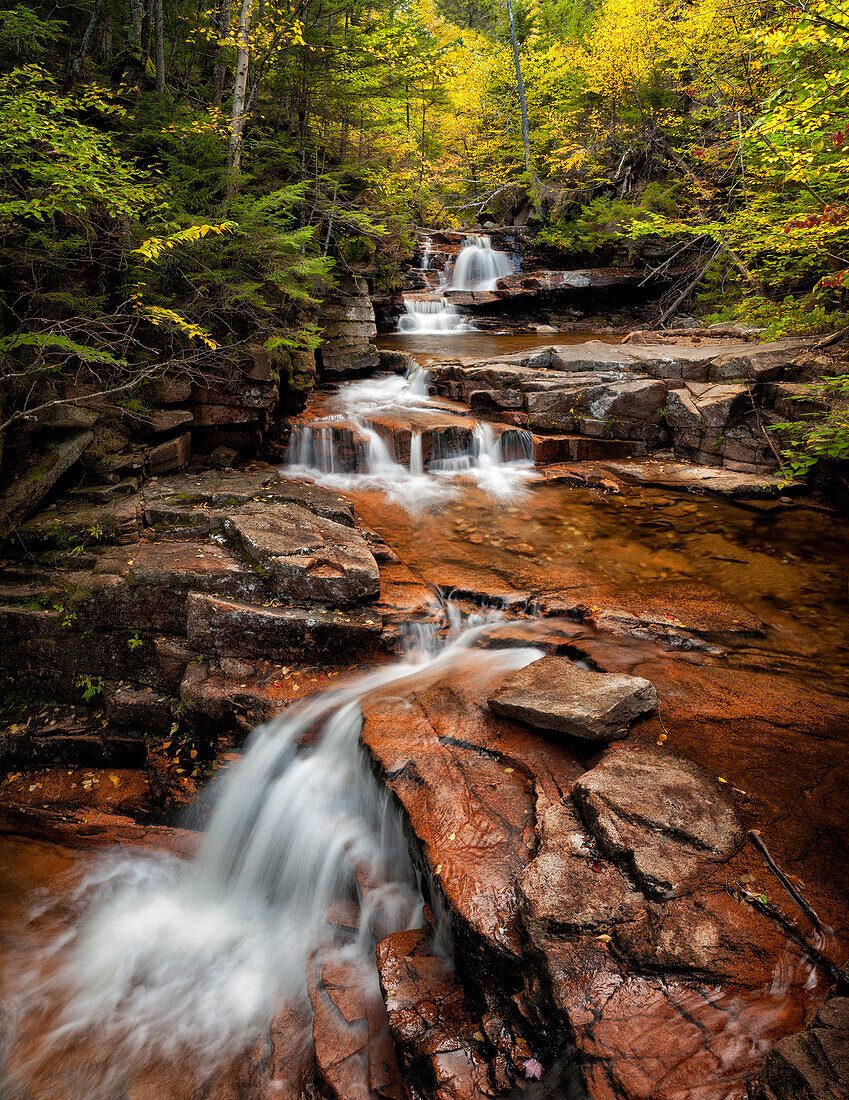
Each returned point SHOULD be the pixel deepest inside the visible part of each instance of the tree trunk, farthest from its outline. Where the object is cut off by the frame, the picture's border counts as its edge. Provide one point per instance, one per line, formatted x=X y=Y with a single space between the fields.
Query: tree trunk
x=134 y=30
x=240 y=84
x=85 y=45
x=159 y=46
x=225 y=12
x=526 y=130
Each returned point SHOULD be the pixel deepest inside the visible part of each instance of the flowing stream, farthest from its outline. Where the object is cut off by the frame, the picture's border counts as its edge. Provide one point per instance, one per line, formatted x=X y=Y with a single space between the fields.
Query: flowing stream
x=354 y=445
x=478 y=267
x=174 y=959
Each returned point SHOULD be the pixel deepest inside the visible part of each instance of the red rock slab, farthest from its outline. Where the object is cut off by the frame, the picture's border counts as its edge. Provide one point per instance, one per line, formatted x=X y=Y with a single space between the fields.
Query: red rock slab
x=468 y=784
x=112 y=791
x=92 y=828
x=348 y=1017
x=439 y=1041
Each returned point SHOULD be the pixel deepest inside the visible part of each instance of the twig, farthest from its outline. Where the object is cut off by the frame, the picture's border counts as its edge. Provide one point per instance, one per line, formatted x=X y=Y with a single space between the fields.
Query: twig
x=794 y=893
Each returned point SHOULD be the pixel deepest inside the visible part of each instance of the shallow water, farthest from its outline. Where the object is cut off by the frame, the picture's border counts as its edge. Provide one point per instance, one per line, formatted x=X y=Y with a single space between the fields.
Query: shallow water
x=432 y=348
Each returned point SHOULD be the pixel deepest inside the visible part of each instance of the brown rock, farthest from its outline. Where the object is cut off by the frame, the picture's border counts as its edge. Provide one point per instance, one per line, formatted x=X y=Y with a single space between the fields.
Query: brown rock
x=664 y=817
x=430 y=1020
x=554 y=694
x=174 y=454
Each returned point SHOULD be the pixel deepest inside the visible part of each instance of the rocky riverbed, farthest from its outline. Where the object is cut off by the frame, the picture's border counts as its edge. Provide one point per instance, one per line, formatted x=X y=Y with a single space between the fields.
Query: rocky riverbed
x=651 y=663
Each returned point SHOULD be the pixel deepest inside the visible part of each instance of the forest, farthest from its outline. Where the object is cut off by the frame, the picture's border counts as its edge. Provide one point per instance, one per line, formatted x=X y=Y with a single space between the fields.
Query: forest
x=177 y=180
x=424 y=465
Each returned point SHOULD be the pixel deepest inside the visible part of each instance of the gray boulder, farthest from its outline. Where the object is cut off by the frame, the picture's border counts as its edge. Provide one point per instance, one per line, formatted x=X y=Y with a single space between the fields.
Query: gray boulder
x=554 y=694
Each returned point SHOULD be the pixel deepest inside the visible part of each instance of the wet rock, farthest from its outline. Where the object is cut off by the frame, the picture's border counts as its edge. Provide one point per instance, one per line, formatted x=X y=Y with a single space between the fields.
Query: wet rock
x=468 y=783
x=440 y=1044
x=346 y=1018
x=234 y=629
x=554 y=694
x=22 y=496
x=307 y=557
x=813 y=1065
x=665 y=818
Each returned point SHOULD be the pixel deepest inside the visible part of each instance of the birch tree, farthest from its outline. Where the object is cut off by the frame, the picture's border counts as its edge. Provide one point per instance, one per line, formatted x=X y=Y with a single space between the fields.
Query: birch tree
x=240 y=85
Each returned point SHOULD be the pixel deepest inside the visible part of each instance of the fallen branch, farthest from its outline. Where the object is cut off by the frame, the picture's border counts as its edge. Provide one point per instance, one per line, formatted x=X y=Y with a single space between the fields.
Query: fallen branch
x=792 y=890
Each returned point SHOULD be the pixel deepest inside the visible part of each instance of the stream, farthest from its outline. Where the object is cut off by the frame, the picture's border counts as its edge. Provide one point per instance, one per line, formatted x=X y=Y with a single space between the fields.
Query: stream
x=142 y=974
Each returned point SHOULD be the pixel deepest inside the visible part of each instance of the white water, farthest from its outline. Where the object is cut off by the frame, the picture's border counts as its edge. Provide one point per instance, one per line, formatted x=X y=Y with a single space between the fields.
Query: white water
x=175 y=958
x=478 y=267
x=428 y=316
x=354 y=455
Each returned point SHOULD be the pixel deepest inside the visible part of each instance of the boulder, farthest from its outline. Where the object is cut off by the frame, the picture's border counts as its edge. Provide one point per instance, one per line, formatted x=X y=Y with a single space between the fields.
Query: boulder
x=554 y=694
x=307 y=557
x=663 y=817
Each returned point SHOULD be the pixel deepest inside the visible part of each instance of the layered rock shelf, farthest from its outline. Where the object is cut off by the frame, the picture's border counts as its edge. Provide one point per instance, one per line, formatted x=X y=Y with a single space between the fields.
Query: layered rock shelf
x=572 y=790
x=710 y=403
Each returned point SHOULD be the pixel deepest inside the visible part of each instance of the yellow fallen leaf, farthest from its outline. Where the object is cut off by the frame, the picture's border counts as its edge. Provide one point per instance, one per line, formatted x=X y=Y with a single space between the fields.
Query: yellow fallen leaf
x=508 y=769
x=438 y=869
x=116 y=780
x=721 y=780
x=452 y=836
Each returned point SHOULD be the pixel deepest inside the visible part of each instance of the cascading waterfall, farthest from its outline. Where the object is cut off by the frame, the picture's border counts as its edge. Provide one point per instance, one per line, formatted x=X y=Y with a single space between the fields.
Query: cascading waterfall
x=174 y=957
x=428 y=248
x=478 y=267
x=347 y=451
x=426 y=316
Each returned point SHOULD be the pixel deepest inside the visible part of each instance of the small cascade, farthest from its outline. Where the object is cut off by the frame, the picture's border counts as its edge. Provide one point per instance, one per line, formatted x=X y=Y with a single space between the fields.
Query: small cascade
x=478 y=266
x=176 y=956
x=428 y=316
x=356 y=448
x=416 y=463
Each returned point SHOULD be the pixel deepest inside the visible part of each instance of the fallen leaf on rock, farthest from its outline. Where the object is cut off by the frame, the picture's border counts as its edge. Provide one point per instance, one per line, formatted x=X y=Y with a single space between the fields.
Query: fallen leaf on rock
x=533 y=1069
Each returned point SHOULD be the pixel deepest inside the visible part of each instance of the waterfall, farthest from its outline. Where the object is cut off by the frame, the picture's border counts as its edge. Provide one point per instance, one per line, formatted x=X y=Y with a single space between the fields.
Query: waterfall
x=426 y=316
x=478 y=266
x=173 y=959
x=360 y=452
x=416 y=464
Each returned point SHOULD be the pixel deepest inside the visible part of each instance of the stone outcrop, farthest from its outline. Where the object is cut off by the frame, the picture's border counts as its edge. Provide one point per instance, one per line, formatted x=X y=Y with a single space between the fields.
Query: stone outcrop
x=554 y=694
x=710 y=401
x=610 y=891
x=347 y=318
x=142 y=599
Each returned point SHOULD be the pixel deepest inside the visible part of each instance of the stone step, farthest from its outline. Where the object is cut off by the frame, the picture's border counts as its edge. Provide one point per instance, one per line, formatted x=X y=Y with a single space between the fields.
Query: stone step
x=577 y=448
x=231 y=628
